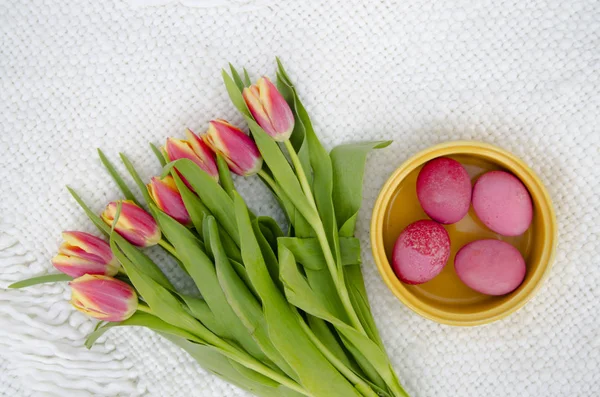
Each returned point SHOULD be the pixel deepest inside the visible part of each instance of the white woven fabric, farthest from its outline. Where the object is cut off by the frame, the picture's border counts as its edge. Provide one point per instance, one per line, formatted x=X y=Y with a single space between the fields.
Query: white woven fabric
x=79 y=75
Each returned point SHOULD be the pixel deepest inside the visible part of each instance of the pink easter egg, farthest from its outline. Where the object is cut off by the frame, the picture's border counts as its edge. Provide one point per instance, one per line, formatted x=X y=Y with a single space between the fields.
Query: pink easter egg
x=444 y=190
x=502 y=203
x=421 y=252
x=492 y=267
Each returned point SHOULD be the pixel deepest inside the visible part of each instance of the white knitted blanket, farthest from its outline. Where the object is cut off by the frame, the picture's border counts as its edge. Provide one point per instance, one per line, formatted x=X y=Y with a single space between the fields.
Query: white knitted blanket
x=78 y=75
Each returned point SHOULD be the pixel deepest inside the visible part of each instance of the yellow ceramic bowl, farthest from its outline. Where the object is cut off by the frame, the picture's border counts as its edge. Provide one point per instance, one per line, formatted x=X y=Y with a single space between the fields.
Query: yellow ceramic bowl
x=446 y=299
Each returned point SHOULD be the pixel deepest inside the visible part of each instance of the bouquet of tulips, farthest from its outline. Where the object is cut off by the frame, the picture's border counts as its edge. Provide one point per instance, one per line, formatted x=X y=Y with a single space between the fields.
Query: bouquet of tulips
x=278 y=313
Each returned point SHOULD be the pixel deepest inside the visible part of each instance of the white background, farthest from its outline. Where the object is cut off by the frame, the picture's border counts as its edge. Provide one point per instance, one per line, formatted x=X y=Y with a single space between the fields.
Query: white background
x=79 y=75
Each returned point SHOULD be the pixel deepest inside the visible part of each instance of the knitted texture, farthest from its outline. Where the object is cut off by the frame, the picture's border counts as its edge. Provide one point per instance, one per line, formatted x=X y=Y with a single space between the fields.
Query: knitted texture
x=77 y=75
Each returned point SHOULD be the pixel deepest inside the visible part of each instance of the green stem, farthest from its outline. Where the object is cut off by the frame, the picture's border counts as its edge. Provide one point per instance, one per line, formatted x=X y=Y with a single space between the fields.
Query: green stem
x=300 y=172
x=359 y=383
x=168 y=247
x=317 y=224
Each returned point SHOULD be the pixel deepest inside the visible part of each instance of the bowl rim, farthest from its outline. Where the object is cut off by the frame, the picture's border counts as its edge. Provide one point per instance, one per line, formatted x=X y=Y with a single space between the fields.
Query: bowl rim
x=539 y=195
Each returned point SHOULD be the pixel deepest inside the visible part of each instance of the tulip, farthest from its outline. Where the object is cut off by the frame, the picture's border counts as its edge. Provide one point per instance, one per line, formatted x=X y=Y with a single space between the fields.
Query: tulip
x=195 y=149
x=103 y=297
x=82 y=253
x=165 y=194
x=134 y=224
x=269 y=109
x=237 y=148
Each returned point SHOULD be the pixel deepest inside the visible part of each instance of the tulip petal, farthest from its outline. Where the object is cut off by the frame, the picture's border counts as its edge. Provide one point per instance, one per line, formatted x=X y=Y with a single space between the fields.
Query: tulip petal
x=238 y=149
x=134 y=224
x=253 y=100
x=270 y=110
x=76 y=266
x=103 y=297
x=165 y=194
x=87 y=243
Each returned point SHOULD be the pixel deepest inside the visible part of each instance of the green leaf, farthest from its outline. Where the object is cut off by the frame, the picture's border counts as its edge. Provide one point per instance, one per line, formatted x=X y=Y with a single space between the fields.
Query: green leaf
x=218 y=202
x=271 y=224
x=358 y=296
x=298 y=137
x=235 y=94
x=314 y=371
x=348 y=170
x=308 y=251
x=241 y=271
x=194 y=206
x=364 y=364
x=247 y=81
x=322 y=331
x=236 y=78
x=225 y=175
x=282 y=170
x=136 y=177
x=295 y=219
x=217 y=363
x=253 y=375
x=160 y=300
x=200 y=310
x=270 y=230
x=139 y=319
x=47 y=278
x=148 y=266
x=243 y=302
x=205 y=233
x=320 y=164
x=300 y=294
x=202 y=270
x=116 y=177
x=158 y=154
x=328 y=344
x=268 y=253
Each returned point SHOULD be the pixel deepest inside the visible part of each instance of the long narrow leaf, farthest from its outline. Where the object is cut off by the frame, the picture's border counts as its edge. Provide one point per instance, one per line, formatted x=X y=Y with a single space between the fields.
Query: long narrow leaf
x=243 y=302
x=140 y=319
x=218 y=202
x=320 y=164
x=201 y=311
x=348 y=170
x=217 y=363
x=308 y=251
x=314 y=372
x=300 y=294
x=158 y=154
x=235 y=94
x=47 y=278
x=225 y=175
x=117 y=177
x=236 y=77
x=136 y=177
x=247 y=81
x=203 y=272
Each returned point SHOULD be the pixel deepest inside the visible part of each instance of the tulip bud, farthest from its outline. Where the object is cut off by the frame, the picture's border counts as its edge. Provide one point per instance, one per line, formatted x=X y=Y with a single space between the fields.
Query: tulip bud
x=134 y=224
x=82 y=253
x=237 y=148
x=194 y=149
x=269 y=109
x=103 y=297
x=165 y=194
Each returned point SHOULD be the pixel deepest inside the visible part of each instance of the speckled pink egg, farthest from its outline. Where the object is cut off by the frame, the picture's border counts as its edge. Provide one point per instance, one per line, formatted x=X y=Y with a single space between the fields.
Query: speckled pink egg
x=421 y=252
x=444 y=190
x=492 y=267
x=502 y=203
